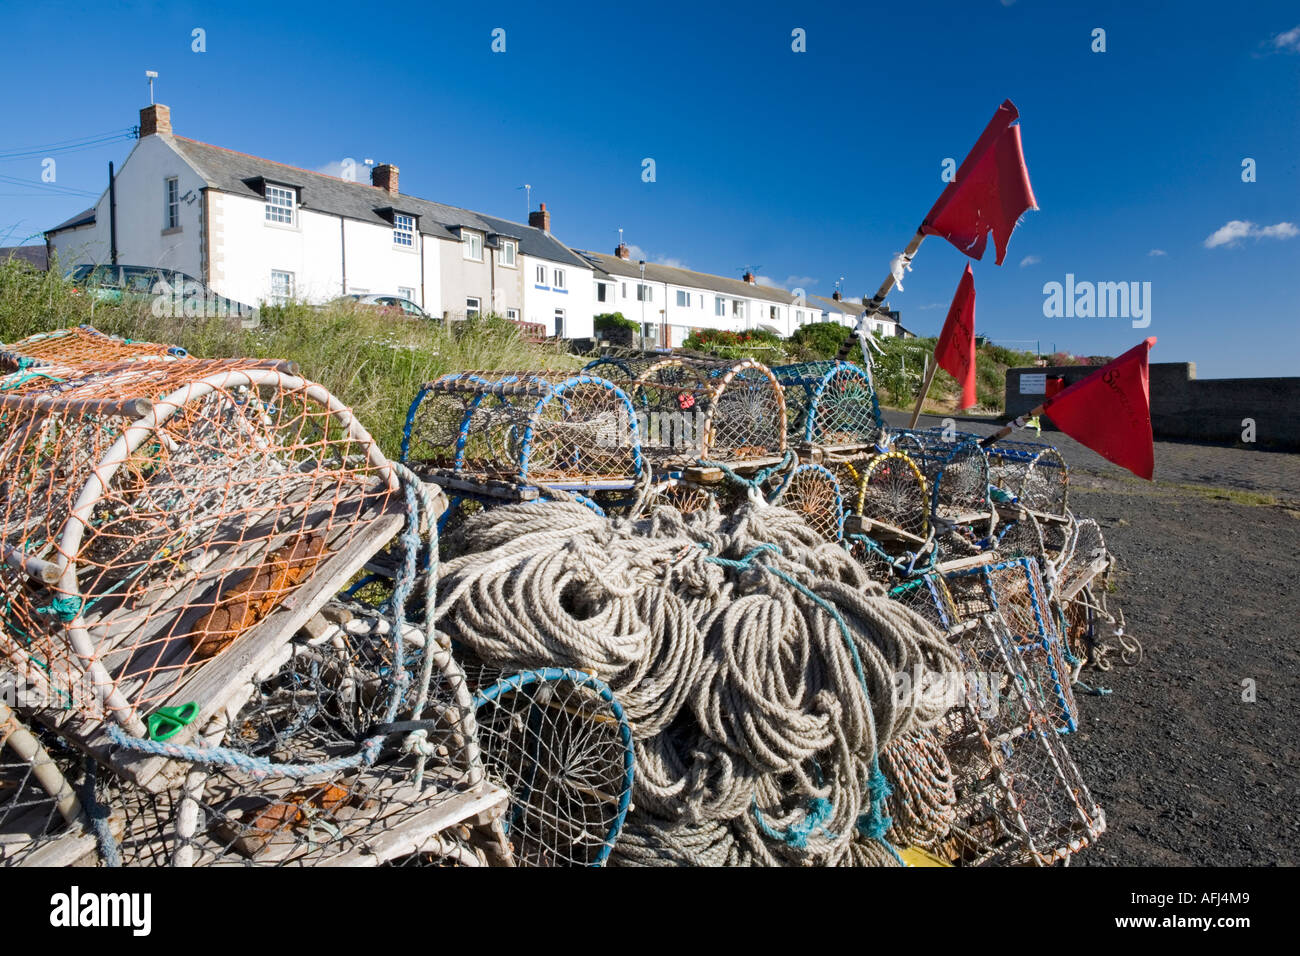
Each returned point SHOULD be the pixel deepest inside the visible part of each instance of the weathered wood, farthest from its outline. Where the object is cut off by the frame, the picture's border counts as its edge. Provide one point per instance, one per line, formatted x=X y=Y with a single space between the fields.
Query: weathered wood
x=860 y=524
x=1095 y=567
x=485 y=487
x=410 y=836
x=963 y=563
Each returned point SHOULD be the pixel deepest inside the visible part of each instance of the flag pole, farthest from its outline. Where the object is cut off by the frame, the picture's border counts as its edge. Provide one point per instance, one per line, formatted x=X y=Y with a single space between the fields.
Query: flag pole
x=925 y=390
x=1012 y=425
x=873 y=306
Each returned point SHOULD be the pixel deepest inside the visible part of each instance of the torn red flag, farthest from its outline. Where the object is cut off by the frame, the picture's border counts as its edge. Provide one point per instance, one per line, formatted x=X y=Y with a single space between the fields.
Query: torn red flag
x=955 y=353
x=1110 y=411
x=991 y=191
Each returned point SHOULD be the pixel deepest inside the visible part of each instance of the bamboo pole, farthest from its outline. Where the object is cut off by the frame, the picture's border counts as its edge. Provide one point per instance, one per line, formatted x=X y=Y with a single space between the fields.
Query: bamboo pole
x=925 y=390
x=1010 y=426
x=46 y=771
x=873 y=306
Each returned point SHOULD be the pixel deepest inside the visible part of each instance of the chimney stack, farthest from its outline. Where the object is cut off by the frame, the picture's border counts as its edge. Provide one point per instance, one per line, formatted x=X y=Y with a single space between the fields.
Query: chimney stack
x=385 y=177
x=540 y=219
x=749 y=277
x=622 y=251
x=836 y=295
x=155 y=119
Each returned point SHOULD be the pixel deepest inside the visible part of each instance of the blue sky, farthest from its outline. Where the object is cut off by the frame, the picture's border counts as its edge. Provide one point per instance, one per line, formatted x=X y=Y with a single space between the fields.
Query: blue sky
x=806 y=166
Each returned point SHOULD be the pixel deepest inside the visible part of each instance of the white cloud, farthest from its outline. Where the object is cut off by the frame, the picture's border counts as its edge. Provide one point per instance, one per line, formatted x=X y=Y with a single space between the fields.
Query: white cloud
x=1157 y=252
x=1030 y=261
x=799 y=282
x=1232 y=232
x=769 y=281
x=1290 y=40
x=637 y=254
x=930 y=305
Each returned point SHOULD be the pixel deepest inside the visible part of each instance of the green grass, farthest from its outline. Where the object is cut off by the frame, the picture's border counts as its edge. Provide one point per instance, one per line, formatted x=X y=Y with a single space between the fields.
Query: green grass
x=372 y=361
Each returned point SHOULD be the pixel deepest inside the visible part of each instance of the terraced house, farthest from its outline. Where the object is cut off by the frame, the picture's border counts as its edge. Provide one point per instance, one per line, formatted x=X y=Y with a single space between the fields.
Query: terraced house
x=255 y=230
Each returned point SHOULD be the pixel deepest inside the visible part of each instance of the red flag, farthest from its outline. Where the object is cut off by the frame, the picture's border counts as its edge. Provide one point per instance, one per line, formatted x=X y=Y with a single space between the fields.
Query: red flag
x=1110 y=411
x=955 y=353
x=991 y=191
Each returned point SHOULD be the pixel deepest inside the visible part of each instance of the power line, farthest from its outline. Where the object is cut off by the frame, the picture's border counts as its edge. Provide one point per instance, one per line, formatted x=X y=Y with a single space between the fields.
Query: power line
x=47 y=187
x=69 y=146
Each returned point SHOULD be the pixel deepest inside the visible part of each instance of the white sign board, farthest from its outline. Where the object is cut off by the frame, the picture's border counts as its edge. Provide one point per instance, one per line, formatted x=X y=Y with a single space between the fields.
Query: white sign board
x=1034 y=384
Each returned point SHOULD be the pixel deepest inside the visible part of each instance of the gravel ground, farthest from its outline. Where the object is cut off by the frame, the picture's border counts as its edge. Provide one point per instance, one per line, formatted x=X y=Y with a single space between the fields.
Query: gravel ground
x=1187 y=771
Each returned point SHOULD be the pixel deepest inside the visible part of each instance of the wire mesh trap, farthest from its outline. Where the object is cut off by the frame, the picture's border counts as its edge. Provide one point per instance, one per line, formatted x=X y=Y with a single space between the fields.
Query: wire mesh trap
x=314 y=768
x=1033 y=474
x=574 y=432
x=557 y=740
x=697 y=410
x=1014 y=589
x=892 y=495
x=813 y=493
x=83 y=345
x=1020 y=796
x=153 y=515
x=830 y=403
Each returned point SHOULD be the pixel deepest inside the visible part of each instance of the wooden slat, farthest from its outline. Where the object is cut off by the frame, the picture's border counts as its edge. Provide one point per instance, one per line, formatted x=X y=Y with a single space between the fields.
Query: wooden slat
x=859 y=524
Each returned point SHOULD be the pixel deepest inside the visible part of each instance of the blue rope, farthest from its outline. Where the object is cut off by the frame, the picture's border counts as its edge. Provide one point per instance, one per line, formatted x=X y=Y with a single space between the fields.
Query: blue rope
x=97 y=814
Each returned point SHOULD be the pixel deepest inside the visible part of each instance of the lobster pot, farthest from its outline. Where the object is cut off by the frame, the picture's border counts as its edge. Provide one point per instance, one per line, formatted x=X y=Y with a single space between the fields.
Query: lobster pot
x=813 y=493
x=1021 y=798
x=298 y=773
x=558 y=742
x=892 y=492
x=959 y=497
x=928 y=447
x=82 y=345
x=1031 y=473
x=578 y=432
x=830 y=403
x=1014 y=591
x=40 y=814
x=928 y=595
x=155 y=515
x=699 y=409
x=622 y=369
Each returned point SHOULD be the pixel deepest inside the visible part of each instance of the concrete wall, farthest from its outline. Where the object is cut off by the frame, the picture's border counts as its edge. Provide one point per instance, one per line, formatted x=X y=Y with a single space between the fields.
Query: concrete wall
x=1188 y=408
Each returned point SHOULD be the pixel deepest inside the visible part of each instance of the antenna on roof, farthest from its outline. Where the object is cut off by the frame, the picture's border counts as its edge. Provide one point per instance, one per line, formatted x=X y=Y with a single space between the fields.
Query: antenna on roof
x=152 y=75
x=528 y=199
x=620 y=235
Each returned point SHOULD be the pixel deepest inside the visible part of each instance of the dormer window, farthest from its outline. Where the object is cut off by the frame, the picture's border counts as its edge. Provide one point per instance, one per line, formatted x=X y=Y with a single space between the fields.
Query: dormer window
x=280 y=204
x=404 y=231
x=506 y=255
x=473 y=245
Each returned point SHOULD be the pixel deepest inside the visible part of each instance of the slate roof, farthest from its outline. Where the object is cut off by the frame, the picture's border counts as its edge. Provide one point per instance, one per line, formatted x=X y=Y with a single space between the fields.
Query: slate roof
x=241 y=174
x=688 y=278
x=83 y=218
x=34 y=256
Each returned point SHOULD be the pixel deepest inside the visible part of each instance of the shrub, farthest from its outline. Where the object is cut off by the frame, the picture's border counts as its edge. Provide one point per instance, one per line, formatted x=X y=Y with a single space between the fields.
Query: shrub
x=760 y=344
x=608 y=321
x=819 y=340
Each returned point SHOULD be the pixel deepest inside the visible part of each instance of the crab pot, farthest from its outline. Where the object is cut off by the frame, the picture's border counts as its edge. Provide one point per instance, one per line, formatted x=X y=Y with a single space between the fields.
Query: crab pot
x=830 y=403
x=1021 y=797
x=576 y=433
x=622 y=370
x=82 y=345
x=814 y=494
x=304 y=797
x=928 y=595
x=40 y=813
x=156 y=514
x=1032 y=473
x=892 y=492
x=1014 y=591
x=703 y=410
x=558 y=742
x=960 y=489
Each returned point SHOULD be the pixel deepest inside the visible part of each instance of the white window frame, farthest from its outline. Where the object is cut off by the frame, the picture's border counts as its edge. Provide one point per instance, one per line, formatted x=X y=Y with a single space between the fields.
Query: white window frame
x=476 y=308
x=511 y=261
x=539 y=277
x=560 y=321
x=172 y=203
x=558 y=281
x=512 y=315
x=471 y=241
x=645 y=292
x=286 y=296
x=404 y=230
x=683 y=299
x=281 y=205
x=406 y=292
x=719 y=307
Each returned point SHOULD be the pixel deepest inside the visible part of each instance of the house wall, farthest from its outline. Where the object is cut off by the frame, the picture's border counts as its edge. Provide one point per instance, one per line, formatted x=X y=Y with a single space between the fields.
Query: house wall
x=577 y=299
x=142 y=237
x=462 y=278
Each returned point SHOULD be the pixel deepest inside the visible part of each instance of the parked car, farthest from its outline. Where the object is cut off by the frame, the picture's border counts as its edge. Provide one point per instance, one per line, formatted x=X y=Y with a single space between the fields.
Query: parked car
x=170 y=292
x=407 y=307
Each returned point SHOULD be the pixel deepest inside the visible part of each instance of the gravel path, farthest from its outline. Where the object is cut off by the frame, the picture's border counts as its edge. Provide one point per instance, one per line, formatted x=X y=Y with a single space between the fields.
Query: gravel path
x=1208 y=554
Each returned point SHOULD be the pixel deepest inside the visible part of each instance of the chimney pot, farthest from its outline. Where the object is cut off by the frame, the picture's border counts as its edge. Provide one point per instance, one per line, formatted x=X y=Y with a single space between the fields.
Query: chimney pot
x=749 y=277
x=622 y=251
x=836 y=295
x=540 y=219
x=155 y=119
x=385 y=177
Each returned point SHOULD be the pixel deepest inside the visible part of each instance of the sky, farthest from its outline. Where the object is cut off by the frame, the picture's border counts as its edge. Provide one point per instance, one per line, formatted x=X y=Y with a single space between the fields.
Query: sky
x=805 y=166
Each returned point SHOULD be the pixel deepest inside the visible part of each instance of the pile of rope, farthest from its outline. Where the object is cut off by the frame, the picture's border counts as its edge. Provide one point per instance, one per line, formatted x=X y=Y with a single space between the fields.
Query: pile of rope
x=758 y=664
